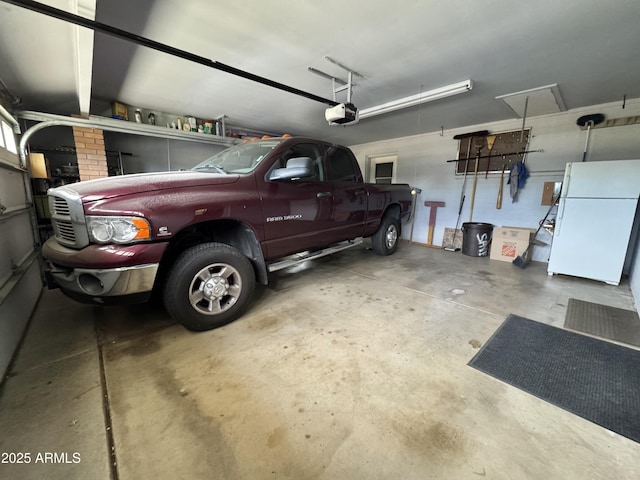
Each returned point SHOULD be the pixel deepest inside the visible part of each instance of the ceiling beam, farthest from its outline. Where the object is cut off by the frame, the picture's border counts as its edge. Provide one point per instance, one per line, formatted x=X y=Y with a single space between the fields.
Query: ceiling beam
x=83 y=53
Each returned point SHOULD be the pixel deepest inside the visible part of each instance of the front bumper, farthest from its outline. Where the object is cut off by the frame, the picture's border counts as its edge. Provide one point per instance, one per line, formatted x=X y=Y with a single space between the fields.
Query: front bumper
x=112 y=282
x=100 y=274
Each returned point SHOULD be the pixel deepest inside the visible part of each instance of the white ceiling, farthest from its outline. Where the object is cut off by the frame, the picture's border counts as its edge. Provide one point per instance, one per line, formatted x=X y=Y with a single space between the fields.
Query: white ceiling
x=587 y=47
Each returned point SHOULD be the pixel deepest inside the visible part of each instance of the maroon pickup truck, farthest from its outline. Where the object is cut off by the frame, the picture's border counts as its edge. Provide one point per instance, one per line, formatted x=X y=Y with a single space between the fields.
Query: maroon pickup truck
x=202 y=238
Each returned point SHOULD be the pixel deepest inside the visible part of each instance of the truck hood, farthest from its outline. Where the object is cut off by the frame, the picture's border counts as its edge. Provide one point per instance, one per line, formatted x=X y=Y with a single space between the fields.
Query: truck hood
x=103 y=188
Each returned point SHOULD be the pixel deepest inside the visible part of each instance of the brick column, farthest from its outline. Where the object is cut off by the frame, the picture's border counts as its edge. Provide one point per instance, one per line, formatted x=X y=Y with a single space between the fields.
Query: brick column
x=92 y=158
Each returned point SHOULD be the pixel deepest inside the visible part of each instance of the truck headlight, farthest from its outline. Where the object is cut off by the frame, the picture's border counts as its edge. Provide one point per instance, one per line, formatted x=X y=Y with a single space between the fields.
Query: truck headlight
x=110 y=229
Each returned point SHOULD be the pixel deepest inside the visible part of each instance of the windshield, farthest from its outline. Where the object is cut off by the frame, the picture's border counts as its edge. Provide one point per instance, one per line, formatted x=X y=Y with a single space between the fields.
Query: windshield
x=240 y=158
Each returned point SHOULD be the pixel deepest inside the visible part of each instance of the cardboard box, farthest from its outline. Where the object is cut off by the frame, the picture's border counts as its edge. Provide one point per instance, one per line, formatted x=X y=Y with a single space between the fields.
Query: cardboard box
x=510 y=242
x=119 y=111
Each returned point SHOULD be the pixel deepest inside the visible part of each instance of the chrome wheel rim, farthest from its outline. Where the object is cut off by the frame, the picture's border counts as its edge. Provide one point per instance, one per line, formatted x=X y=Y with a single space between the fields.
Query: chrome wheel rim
x=215 y=289
x=391 y=236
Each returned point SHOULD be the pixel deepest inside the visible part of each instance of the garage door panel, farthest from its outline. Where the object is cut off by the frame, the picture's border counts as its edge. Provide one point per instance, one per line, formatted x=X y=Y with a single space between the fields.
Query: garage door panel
x=20 y=276
x=12 y=192
x=16 y=243
x=15 y=311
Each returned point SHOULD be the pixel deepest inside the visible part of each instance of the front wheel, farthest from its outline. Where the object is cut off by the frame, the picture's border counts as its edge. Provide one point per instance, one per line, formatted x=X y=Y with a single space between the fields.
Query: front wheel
x=385 y=240
x=209 y=286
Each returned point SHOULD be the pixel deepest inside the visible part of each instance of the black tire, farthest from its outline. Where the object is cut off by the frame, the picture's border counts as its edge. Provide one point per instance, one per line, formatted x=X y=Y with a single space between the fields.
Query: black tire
x=385 y=240
x=208 y=286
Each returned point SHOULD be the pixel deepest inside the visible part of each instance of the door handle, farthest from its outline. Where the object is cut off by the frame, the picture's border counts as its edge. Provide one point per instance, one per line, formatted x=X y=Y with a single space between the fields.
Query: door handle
x=323 y=194
x=360 y=192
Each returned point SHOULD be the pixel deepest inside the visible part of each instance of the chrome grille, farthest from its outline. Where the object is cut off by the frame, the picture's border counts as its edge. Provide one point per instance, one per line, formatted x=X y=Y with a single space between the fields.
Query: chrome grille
x=60 y=206
x=67 y=217
x=64 y=230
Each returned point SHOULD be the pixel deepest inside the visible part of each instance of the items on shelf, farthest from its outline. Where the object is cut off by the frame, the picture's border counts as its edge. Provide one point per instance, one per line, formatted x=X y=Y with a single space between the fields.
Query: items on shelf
x=119 y=111
x=187 y=123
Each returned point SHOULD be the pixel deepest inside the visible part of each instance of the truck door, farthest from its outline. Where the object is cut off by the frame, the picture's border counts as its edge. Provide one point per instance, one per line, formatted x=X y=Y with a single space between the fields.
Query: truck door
x=349 y=194
x=297 y=213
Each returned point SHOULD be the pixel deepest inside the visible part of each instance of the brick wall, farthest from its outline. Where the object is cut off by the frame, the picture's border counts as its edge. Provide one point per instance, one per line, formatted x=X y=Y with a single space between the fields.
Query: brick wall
x=92 y=158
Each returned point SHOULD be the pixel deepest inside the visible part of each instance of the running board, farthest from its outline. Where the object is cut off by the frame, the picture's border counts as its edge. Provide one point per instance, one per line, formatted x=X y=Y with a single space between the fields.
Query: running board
x=298 y=258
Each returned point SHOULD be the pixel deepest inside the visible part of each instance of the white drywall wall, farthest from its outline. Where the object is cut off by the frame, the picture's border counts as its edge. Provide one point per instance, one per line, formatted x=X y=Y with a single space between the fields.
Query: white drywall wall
x=422 y=163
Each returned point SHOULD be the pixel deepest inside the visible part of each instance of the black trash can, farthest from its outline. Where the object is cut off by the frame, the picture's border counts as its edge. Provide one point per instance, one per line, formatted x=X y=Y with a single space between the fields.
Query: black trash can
x=476 y=238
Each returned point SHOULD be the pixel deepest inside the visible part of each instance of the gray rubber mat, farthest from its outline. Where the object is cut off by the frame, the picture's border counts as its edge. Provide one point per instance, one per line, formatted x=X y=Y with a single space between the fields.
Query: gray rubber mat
x=603 y=321
x=597 y=380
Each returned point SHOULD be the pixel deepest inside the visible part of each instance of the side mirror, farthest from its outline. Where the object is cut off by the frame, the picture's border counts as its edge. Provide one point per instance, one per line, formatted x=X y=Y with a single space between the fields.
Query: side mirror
x=300 y=167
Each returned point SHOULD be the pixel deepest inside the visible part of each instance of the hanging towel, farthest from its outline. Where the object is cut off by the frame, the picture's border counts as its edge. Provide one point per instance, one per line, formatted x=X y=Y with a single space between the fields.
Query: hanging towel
x=517 y=179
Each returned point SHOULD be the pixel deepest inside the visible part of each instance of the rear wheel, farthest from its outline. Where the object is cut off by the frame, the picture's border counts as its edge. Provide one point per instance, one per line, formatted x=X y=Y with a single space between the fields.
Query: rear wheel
x=209 y=286
x=385 y=240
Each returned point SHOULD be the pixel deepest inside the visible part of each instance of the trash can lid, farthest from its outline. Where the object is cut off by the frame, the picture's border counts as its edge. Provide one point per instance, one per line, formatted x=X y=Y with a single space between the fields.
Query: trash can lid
x=478 y=224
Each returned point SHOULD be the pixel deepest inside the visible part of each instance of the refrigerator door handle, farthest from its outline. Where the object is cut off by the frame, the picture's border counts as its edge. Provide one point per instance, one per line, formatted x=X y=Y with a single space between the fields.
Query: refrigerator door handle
x=559 y=216
x=566 y=183
x=564 y=192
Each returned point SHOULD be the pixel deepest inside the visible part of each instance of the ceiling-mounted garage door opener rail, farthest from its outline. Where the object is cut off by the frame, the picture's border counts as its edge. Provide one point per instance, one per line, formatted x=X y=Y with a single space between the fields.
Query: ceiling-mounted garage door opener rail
x=161 y=47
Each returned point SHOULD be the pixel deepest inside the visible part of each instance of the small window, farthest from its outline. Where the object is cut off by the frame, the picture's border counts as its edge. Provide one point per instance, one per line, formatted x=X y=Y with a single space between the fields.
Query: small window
x=383 y=169
x=341 y=166
x=384 y=172
x=9 y=139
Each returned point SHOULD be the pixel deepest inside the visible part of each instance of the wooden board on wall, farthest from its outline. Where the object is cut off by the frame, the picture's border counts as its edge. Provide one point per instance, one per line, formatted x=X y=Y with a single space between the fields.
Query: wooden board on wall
x=502 y=153
x=550 y=191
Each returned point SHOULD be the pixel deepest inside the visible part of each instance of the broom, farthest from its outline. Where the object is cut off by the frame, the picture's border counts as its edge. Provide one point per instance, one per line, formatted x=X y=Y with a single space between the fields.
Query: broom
x=482 y=133
x=522 y=260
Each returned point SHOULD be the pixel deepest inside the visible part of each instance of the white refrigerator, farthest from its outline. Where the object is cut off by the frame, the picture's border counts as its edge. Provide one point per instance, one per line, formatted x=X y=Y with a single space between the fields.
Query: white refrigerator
x=597 y=217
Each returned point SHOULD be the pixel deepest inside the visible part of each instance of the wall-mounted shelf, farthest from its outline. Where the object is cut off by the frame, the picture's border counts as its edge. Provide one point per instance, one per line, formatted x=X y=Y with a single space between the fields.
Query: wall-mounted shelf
x=111 y=125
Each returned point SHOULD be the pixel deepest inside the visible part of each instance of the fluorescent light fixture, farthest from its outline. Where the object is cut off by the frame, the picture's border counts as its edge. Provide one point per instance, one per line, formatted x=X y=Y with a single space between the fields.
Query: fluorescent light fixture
x=423 y=97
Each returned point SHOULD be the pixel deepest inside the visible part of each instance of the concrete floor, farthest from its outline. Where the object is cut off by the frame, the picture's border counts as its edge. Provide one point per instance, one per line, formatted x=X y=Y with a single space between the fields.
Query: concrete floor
x=353 y=367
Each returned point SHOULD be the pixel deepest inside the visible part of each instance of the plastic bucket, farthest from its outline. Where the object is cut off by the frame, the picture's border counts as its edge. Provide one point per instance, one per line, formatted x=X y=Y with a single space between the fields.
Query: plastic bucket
x=476 y=238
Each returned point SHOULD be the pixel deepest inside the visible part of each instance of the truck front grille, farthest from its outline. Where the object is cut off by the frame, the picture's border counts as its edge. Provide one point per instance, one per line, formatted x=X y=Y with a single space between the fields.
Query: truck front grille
x=60 y=206
x=67 y=218
x=64 y=231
